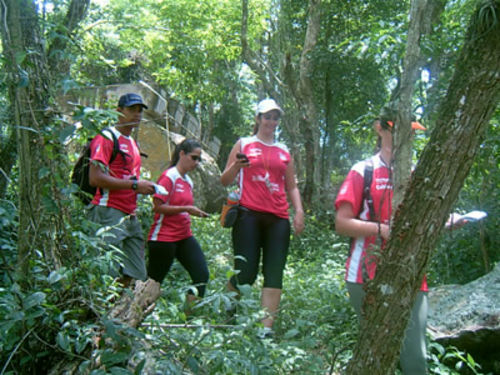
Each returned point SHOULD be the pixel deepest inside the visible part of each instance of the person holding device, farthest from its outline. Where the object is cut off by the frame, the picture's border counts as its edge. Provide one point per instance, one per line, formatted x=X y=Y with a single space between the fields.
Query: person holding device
x=118 y=183
x=265 y=174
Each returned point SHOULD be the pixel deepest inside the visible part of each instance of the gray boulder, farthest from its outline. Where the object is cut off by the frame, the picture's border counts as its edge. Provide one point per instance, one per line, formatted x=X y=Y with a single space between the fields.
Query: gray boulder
x=468 y=317
x=158 y=144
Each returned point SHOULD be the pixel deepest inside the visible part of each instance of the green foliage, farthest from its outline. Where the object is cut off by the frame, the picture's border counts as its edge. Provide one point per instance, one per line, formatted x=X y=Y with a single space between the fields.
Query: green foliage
x=451 y=361
x=65 y=310
x=56 y=314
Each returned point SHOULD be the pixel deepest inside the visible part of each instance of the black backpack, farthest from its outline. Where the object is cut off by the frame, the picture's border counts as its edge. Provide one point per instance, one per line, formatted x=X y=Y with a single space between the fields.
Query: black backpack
x=80 y=174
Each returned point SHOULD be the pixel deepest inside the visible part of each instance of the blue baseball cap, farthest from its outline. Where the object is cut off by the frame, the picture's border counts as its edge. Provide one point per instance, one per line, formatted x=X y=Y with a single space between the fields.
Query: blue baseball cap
x=130 y=99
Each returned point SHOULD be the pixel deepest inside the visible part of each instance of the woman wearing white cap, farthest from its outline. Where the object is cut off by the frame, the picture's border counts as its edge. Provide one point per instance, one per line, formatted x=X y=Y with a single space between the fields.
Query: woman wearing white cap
x=266 y=175
x=364 y=208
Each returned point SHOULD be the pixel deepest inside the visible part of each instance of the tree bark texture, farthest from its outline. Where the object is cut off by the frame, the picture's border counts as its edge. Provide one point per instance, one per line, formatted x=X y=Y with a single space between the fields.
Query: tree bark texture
x=29 y=97
x=464 y=114
x=28 y=94
x=301 y=93
x=402 y=142
x=130 y=309
x=260 y=68
x=309 y=122
x=58 y=59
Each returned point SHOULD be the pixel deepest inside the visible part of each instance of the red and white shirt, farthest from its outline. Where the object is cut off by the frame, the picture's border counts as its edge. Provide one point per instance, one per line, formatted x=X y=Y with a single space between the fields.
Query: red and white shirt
x=126 y=167
x=262 y=184
x=351 y=191
x=171 y=228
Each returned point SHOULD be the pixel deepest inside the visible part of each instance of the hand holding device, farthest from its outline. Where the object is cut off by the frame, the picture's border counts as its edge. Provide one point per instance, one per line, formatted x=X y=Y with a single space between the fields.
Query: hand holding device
x=242 y=156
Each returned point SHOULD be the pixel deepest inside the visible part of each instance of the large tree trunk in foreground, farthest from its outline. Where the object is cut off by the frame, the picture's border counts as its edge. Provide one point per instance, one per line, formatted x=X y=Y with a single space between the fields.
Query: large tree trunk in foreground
x=29 y=82
x=463 y=117
x=28 y=95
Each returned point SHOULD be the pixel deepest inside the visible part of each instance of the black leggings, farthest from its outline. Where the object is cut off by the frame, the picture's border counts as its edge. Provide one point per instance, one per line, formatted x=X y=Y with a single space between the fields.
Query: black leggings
x=189 y=254
x=254 y=232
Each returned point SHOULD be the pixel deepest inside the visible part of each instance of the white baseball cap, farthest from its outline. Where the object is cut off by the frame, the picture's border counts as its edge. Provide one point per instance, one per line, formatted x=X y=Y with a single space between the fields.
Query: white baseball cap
x=267 y=105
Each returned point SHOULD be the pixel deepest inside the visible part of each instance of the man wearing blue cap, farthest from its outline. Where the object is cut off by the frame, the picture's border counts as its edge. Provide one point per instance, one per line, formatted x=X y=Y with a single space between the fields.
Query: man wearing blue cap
x=118 y=183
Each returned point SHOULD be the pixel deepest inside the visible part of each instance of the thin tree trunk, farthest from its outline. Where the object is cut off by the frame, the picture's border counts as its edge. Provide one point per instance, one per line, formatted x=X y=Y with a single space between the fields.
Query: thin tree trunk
x=300 y=92
x=309 y=123
x=464 y=114
x=420 y=18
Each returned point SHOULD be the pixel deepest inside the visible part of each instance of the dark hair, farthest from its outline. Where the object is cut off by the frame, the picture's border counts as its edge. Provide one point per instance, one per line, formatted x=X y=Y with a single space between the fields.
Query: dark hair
x=187 y=146
x=256 y=125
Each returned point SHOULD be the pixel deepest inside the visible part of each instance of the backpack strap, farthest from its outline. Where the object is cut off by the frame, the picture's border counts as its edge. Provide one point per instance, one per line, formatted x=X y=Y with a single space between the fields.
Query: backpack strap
x=116 y=145
x=367 y=196
x=367 y=181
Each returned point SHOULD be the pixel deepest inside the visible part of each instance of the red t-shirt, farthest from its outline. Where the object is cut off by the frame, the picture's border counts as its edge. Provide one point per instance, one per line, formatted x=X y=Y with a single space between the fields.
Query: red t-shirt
x=128 y=167
x=262 y=184
x=351 y=192
x=171 y=228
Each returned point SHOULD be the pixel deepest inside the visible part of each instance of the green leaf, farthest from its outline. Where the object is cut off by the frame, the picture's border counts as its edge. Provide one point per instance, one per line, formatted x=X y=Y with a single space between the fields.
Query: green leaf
x=33 y=300
x=54 y=277
x=63 y=341
x=119 y=371
x=20 y=57
x=139 y=367
x=109 y=358
x=43 y=172
x=24 y=79
x=291 y=333
x=66 y=132
x=50 y=205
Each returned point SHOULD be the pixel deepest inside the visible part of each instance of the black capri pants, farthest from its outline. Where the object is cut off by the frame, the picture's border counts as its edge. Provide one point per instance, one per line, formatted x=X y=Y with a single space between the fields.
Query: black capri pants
x=254 y=233
x=188 y=252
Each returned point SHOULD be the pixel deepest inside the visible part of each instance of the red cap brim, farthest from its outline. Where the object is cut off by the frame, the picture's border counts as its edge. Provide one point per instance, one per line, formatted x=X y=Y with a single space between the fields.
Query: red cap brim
x=414 y=125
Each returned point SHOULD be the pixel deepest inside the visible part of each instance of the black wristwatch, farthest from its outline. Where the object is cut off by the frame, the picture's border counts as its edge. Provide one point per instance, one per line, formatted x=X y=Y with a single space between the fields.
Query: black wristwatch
x=134 y=185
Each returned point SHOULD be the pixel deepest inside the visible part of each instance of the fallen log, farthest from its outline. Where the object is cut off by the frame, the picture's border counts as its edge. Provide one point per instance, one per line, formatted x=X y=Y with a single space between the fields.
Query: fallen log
x=130 y=309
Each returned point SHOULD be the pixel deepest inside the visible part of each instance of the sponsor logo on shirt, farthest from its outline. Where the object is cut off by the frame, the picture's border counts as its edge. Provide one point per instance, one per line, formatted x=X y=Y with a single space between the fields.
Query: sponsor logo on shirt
x=254 y=152
x=383 y=184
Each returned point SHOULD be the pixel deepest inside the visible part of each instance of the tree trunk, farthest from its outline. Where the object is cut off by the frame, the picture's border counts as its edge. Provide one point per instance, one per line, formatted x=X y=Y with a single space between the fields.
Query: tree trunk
x=130 y=309
x=301 y=93
x=309 y=123
x=28 y=94
x=464 y=114
x=29 y=97
x=57 y=57
x=403 y=141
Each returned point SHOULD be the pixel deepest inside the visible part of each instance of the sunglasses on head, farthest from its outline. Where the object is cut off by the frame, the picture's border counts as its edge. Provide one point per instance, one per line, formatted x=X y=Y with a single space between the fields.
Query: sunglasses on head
x=196 y=158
